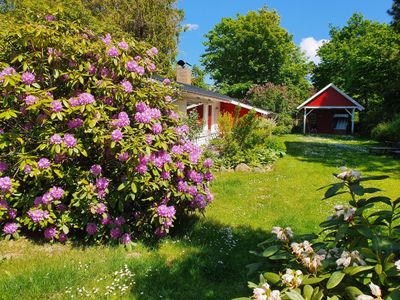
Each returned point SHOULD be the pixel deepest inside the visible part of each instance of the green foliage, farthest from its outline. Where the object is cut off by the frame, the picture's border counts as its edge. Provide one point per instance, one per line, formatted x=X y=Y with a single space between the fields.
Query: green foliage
x=252 y=49
x=195 y=126
x=154 y=21
x=354 y=254
x=395 y=13
x=225 y=124
x=280 y=99
x=198 y=78
x=362 y=58
x=108 y=107
x=247 y=139
x=387 y=131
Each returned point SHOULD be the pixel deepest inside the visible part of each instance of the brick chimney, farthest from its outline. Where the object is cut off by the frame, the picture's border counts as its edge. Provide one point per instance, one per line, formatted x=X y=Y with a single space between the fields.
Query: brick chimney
x=183 y=75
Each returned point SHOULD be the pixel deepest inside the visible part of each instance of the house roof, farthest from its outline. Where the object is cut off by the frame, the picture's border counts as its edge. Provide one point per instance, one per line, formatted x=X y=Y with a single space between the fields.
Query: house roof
x=216 y=96
x=328 y=101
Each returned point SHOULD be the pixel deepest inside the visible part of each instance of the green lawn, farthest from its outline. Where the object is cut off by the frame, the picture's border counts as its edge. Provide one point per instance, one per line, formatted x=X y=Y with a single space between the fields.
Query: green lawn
x=209 y=261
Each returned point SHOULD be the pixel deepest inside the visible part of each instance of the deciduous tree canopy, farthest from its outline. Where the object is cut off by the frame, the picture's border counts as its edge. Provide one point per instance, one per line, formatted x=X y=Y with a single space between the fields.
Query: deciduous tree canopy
x=252 y=49
x=153 y=21
x=363 y=59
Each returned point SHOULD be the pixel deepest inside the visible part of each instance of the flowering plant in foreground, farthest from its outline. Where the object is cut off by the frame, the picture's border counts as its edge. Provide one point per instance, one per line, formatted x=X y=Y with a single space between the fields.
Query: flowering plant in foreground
x=356 y=255
x=86 y=138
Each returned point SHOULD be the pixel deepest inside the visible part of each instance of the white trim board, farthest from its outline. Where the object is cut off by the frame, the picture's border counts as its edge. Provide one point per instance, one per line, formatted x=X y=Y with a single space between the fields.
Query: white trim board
x=356 y=104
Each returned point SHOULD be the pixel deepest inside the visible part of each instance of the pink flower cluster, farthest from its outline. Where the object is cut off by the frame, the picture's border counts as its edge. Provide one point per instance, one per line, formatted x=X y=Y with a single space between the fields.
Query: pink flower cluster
x=38 y=215
x=167 y=214
x=69 y=140
x=82 y=99
x=30 y=100
x=56 y=106
x=133 y=66
x=28 y=78
x=9 y=71
x=3 y=166
x=43 y=164
x=10 y=228
x=102 y=184
x=145 y=114
x=75 y=123
x=126 y=86
x=122 y=120
x=5 y=184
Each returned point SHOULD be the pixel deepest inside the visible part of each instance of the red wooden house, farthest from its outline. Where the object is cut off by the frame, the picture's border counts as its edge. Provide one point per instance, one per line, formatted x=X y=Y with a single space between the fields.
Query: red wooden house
x=329 y=111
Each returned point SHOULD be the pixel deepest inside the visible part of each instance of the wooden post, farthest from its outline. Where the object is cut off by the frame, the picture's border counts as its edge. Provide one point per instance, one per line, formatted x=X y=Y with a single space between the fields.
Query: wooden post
x=205 y=118
x=304 y=120
x=352 y=120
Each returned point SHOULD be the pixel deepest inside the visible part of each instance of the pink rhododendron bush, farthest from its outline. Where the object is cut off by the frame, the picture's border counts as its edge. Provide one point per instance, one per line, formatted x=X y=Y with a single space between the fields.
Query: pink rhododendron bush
x=90 y=145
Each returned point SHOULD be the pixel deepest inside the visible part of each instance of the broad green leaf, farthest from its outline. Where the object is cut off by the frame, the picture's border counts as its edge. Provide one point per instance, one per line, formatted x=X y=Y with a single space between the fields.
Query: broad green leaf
x=271 y=250
x=335 y=279
x=294 y=295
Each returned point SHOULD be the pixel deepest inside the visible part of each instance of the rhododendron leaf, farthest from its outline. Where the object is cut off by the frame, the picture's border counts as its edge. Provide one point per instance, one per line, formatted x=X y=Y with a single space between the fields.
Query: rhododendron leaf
x=364 y=230
x=353 y=292
x=357 y=269
x=121 y=187
x=314 y=280
x=335 y=279
x=272 y=277
x=271 y=250
x=395 y=295
x=58 y=173
x=308 y=291
x=294 y=295
x=65 y=229
x=133 y=187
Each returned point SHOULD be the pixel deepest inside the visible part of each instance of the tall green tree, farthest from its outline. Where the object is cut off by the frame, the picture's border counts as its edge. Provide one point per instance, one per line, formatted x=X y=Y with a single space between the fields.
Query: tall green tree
x=363 y=58
x=154 y=21
x=252 y=49
x=395 y=13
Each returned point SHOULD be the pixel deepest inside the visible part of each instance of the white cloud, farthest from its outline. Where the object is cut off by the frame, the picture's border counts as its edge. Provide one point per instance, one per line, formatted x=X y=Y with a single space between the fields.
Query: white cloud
x=310 y=46
x=191 y=27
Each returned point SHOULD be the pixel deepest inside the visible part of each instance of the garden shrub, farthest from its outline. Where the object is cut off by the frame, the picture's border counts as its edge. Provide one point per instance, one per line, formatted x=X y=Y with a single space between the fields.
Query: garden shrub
x=195 y=126
x=387 y=131
x=90 y=145
x=225 y=124
x=356 y=255
x=247 y=139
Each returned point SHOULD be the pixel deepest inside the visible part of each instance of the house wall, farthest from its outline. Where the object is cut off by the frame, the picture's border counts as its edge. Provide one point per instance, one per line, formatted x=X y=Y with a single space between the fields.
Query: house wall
x=181 y=105
x=228 y=107
x=322 y=121
x=330 y=97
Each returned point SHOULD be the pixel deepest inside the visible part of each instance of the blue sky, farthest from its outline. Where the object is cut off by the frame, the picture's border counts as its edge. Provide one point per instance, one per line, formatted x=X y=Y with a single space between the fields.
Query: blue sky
x=302 y=18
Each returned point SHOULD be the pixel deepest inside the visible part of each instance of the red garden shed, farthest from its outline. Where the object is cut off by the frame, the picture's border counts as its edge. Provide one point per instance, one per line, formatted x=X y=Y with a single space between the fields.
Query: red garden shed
x=329 y=111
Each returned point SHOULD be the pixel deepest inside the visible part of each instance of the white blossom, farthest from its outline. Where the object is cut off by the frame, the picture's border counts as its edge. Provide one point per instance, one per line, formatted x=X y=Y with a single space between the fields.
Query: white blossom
x=292 y=278
x=350 y=259
x=275 y=295
x=397 y=264
x=259 y=294
x=375 y=290
x=282 y=234
x=348 y=174
x=364 y=297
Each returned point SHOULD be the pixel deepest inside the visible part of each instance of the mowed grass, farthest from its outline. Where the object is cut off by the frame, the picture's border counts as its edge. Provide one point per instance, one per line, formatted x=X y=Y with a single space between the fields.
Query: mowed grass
x=208 y=261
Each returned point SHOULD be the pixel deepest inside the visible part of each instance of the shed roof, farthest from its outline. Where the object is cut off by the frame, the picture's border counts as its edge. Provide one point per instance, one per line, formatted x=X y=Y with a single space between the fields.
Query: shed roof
x=331 y=97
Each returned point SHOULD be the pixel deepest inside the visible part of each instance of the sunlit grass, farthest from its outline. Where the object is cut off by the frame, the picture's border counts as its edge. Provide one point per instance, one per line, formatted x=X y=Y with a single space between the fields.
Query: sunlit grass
x=208 y=261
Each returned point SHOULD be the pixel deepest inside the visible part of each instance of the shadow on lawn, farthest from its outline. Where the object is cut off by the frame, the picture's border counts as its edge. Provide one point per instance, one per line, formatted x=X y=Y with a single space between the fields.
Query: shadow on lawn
x=215 y=268
x=337 y=154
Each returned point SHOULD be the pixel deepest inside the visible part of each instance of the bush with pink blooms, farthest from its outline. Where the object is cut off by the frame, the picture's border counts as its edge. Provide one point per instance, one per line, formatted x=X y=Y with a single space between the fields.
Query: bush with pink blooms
x=89 y=146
